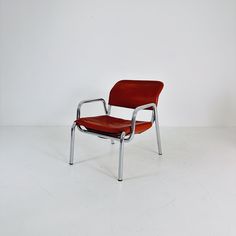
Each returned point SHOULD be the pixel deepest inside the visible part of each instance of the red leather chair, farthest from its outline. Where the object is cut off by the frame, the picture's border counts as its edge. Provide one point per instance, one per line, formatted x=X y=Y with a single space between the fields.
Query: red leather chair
x=134 y=94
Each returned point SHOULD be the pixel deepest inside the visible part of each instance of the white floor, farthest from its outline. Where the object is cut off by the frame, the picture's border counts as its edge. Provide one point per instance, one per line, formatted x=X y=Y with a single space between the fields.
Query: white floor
x=190 y=190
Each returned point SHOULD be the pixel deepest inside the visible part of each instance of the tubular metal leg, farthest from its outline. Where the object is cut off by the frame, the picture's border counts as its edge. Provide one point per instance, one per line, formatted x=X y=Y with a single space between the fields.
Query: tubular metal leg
x=158 y=135
x=121 y=156
x=112 y=141
x=72 y=141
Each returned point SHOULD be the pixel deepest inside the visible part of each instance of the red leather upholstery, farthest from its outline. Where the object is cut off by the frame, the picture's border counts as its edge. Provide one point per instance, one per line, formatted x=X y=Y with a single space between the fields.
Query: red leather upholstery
x=129 y=94
x=111 y=125
x=134 y=93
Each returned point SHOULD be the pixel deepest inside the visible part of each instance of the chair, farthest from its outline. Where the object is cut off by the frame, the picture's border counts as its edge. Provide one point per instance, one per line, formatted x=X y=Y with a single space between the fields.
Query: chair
x=135 y=94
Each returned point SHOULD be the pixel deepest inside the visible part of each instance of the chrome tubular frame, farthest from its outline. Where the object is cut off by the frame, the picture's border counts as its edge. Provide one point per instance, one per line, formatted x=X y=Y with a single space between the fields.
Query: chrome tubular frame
x=72 y=141
x=158 y=133
x=121 y=157
x=123 y=137
x=134 y=116
x=90 y=101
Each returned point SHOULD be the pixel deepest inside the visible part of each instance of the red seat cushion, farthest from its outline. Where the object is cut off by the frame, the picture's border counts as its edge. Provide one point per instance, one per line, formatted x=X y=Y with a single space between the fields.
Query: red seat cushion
x=111 y=125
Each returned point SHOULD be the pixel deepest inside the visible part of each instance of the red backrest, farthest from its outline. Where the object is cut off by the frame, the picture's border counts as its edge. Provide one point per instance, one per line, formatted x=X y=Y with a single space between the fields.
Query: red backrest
x=134 y=93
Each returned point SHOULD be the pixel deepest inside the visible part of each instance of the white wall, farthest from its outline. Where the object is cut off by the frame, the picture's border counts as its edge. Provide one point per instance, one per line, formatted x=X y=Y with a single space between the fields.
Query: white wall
x=56 y=52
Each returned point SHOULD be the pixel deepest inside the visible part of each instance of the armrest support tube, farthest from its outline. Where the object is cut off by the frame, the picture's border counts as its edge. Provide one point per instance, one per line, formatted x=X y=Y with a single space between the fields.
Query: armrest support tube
x=90 y=101
x=134 y=116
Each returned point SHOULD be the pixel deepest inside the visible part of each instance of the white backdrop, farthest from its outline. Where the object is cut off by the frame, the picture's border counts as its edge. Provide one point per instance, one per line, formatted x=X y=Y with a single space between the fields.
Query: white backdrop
x=56 y=52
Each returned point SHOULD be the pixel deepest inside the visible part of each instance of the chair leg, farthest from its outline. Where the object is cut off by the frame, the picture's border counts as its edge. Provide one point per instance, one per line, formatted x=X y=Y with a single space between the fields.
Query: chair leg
x=158 y=136
x=72 y=141
x=121 y=156
x=112 y=141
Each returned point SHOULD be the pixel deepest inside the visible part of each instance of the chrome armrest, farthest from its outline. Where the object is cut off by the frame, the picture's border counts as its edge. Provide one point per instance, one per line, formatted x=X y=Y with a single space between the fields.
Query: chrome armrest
x=89 y=101
x=134 y=116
